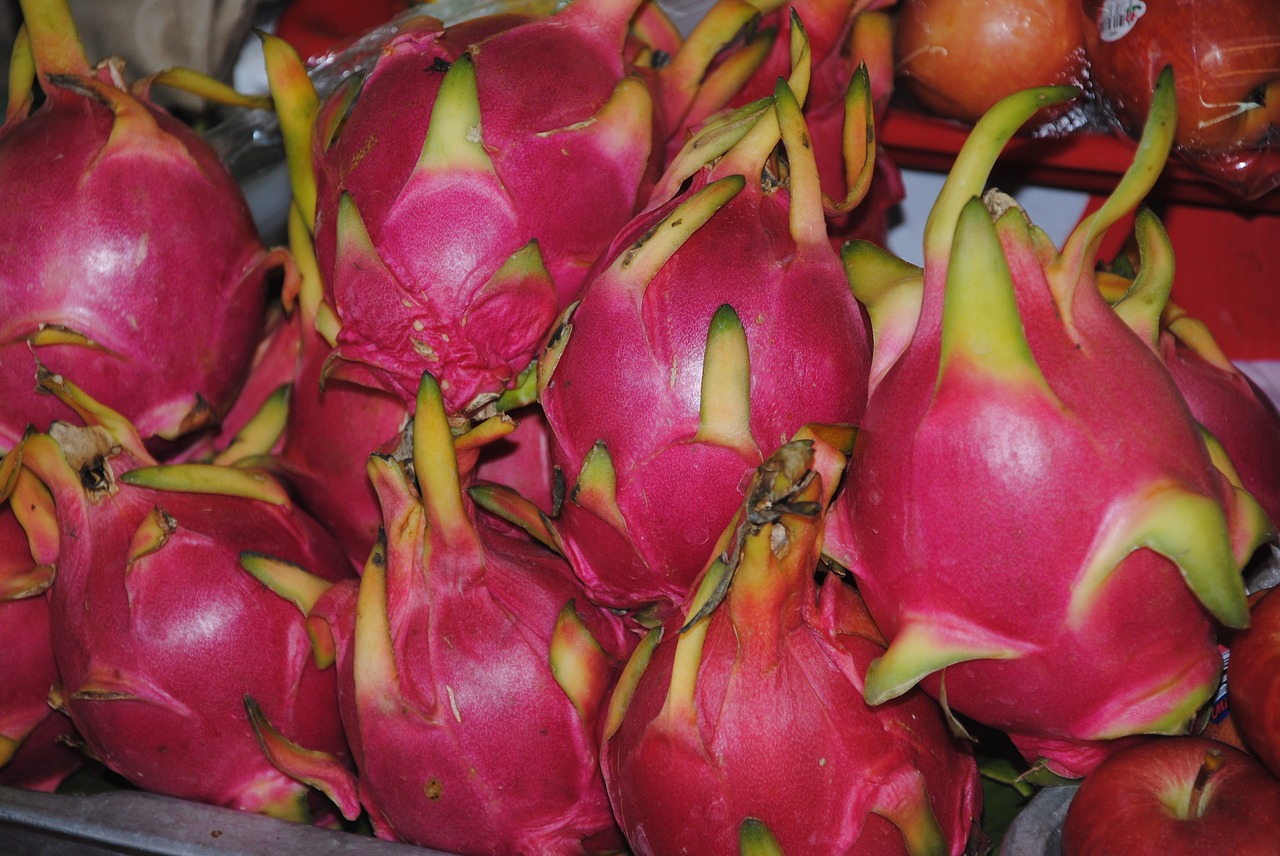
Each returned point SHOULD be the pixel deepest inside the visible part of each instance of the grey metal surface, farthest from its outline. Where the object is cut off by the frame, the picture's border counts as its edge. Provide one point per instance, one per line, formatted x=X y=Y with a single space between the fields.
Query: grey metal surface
x=1037 y=830
x=128 y=823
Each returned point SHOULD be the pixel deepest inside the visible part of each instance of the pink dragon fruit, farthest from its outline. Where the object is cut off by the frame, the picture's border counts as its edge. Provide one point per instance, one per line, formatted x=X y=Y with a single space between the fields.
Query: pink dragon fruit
x=1243 y=423
x=319 y=441
x=440 y=247
x=1227 y=403
x=160 y=634
x=842 y=34
x=748 y=707
x=144 y=252
x=1071 y=595
x=476 y=670
x=336 y=419
x=34 y=739
x=721 y=323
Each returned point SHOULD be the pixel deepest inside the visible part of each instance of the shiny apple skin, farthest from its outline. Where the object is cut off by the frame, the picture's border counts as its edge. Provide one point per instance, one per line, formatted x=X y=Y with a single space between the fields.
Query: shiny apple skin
x=1135 y=802
x=1225 y=56
x=1253 y=681
x=959 y=57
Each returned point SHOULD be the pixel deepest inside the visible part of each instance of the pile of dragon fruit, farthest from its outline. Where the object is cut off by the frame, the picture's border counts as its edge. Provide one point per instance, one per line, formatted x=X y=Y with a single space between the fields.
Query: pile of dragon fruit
x=585 y=476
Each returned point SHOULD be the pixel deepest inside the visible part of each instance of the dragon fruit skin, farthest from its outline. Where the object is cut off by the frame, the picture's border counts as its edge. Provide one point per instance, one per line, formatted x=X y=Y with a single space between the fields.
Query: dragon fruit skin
x=140 y=232
x=32 y=752
x=720 y=325
x=35 y=750
x=475 y=672
x=1049 y=604
x=464 y=167
x=1228 y=404
x=1239 y=417
x=160 y=633
x=333 y=427
x=756 y=710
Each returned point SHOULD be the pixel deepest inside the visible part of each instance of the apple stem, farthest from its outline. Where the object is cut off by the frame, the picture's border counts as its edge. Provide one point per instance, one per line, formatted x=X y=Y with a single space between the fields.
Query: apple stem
x=1212 y=763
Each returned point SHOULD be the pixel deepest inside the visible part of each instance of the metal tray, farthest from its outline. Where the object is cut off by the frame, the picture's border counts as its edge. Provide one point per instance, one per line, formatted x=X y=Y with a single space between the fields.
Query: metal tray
x=1037 y=830
x=132 y=823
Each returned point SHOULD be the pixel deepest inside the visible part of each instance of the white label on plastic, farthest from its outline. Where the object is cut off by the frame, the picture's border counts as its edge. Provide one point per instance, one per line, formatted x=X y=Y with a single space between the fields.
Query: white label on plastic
x=1117 y=18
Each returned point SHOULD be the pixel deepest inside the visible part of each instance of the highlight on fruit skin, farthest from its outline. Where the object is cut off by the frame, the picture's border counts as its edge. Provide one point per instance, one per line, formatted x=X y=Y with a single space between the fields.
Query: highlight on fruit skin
x=1174 y=795
x=1072 y=598
x=146 y=254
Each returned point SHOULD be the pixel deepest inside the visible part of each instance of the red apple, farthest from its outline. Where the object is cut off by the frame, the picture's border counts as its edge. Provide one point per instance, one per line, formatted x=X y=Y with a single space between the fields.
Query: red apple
x=1170 y=796
x=1226 y=62
x=1253 y=680
x=959 y=57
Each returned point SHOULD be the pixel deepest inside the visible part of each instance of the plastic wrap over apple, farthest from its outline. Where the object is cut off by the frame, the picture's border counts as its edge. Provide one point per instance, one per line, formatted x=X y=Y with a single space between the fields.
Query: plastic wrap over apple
x=1226 y=61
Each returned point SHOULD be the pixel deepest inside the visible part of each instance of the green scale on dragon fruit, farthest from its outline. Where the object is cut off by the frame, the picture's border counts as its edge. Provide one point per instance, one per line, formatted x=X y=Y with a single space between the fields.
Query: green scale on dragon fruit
x=127 y=245
x=473 y=668
x=721 y=322
x=1071 y=595
x=745 y=709
x=461 y=199
x=166 y=640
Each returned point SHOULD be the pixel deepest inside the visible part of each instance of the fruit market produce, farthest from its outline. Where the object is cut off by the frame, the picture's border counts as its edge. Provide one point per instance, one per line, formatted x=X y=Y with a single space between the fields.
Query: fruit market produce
x=1073 y=597
x=1227 y=404
x=160 y=628
x=31 y=752
x=503 y=255
x=1175 y=796
x=582 y=485
x=957 y=58
x=668 y=364
x=125 y=200
x=1226 y=58
x=473 y=669
x=1241 y=424
x=1253 y=688
x=745 y=67
x=750 y=698
x=462 y=269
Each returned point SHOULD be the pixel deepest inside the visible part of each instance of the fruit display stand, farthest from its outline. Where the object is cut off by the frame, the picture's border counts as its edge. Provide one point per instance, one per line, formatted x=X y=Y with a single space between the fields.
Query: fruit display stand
x=1225 y=246
x=1215 y=236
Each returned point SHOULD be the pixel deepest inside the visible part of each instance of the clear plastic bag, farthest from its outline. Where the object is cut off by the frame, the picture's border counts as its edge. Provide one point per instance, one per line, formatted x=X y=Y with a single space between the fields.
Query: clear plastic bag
x=1226 y=60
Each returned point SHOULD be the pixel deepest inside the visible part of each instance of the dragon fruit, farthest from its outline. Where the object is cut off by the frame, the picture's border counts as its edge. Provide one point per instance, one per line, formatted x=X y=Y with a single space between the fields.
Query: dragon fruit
x=313 y=432
x=1241 y=420
x=721 y=323
x=1072 y=595
x=748 y=707
x=34 y=738
x=476 y=670
x=440 y=247
x=160 y=627
x=144 y=252
x=1227 y=403
x=842 y=34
